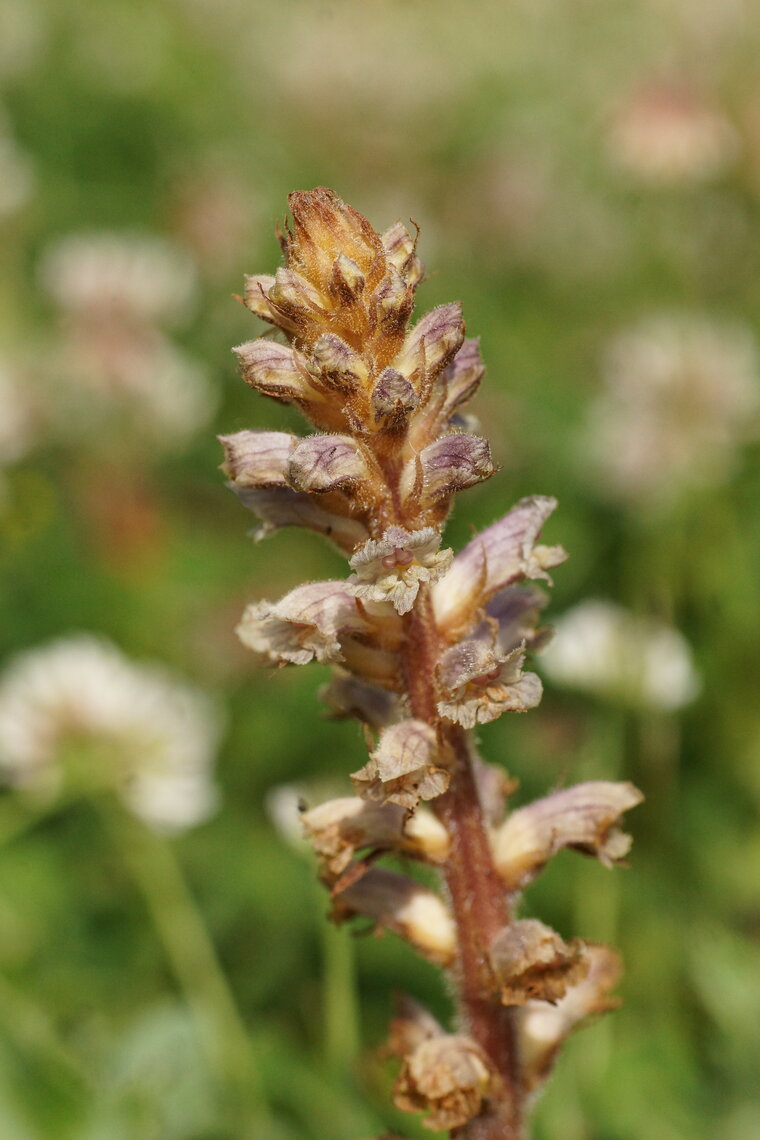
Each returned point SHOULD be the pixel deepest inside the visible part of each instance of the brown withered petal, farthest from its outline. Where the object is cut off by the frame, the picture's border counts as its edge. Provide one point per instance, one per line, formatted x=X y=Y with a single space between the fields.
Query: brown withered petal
x=348 y=696
x=447 y=1076
x=303 y=625
x=407 y=908
x=584 y=817
x=542 y=1027
x=341 y=827
x=323 y=462
x=324 y=228
x=530 y=960
x=256 y=296
x=403 y=769
x=499 y=556
x=274 y=370
x=257 y=458
x=431 y=344
x=480 y=684
x=338 y=364
x=452 y=463
x=278 y=507
x=399 y=246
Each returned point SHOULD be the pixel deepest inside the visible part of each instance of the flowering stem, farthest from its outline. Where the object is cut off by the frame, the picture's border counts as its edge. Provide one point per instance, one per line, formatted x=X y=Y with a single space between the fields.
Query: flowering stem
x=477 y=894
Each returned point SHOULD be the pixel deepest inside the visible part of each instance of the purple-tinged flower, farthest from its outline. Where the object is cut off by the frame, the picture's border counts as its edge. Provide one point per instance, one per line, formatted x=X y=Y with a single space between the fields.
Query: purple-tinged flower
x=393 y=400
x=275 y=370
x=339 y=366
x=450 y=464
x=304 y=625
x=400 y=250
x=479 y=683
x=257 y=458
x=430 y=345
x=323 y=462
x=348 y=696
x=392 y=568
x=501 y=555
x=584 y=817
x=403 y=768
x=277 y=507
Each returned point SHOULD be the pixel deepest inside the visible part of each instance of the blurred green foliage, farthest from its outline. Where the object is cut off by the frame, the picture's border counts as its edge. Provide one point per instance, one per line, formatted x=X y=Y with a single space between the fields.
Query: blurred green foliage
x=189 y=989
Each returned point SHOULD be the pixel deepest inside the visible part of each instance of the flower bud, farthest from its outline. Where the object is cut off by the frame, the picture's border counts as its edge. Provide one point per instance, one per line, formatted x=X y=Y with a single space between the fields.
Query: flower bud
x=461 y=378
x=530 y=960
x=448 y=1076
x=348 y=696
x=393 y=400
x=412 y=911
x=431 y=344
x=339 y=365
x=392 y=568
x=323 y=462
x=502 y=554
x=324 y=230
x=256 y=296
x=402 y=769
x=400 y=250
x=480 y=684
x=294 y=302
x=347 y=281
x=274 y=369
x=583 y=817
x=303 y=625
x=257 y=458
x=453 y=463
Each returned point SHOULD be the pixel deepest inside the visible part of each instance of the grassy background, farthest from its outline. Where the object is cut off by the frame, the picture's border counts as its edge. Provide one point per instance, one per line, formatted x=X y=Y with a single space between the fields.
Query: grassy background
x=189 y=990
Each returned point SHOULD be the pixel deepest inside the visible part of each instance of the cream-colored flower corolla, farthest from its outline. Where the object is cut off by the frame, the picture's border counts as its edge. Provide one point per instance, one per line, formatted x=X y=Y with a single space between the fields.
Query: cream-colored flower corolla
x=604 y=649
x=669 y=134
x=156 y=735
x=392 y=568
x=681 y=394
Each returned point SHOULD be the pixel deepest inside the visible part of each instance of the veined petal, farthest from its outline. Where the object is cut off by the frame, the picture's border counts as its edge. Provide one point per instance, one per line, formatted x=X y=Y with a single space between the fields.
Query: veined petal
x=323 y=462
x=303 y=625
x=257 y=458
x=392 y=568
x=403 y=768
x=499 y=556
x=452 y=463
x=400 y=247
x=584 y=817
x=346 y=695
x=256 y=296
x=431 y=344
x=462 y=376
x=274 y=369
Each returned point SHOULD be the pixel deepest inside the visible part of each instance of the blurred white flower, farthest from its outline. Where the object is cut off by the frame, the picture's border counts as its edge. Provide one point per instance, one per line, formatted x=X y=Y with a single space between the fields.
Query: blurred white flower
x=682 y=393
x=157 y=735
x=132 y=274
x=667 y=134
x=17 y=421
x=603 y=649
x=113 y=365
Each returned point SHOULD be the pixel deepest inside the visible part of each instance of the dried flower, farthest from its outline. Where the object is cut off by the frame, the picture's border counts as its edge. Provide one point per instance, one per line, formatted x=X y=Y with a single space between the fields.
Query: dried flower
x=154 y=737
x=403 y=769
x=530 y=960
x=393 y=568
x=447 y=1076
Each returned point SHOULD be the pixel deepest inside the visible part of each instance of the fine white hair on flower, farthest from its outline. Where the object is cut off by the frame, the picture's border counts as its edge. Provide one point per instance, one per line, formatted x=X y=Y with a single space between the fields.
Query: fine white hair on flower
x=148 y=734
x=681 y=395
x=606 y=650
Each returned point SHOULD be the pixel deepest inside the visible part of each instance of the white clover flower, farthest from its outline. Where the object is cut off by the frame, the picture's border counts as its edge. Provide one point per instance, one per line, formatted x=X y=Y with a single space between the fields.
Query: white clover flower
x=681 y=394
x=159 y=735
x=604 y=649
x=670 y=135
x=135 y=274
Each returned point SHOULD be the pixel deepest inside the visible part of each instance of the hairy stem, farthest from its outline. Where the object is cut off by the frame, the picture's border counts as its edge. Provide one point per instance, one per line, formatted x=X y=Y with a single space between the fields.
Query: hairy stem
x=477 y=895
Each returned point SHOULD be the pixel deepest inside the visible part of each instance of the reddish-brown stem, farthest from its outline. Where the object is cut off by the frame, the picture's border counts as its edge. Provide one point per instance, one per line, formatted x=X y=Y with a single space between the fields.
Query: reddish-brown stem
x=477 y=895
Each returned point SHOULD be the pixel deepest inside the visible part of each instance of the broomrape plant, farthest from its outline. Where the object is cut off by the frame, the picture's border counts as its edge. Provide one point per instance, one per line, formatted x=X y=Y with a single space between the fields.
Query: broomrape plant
x=426 y=646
